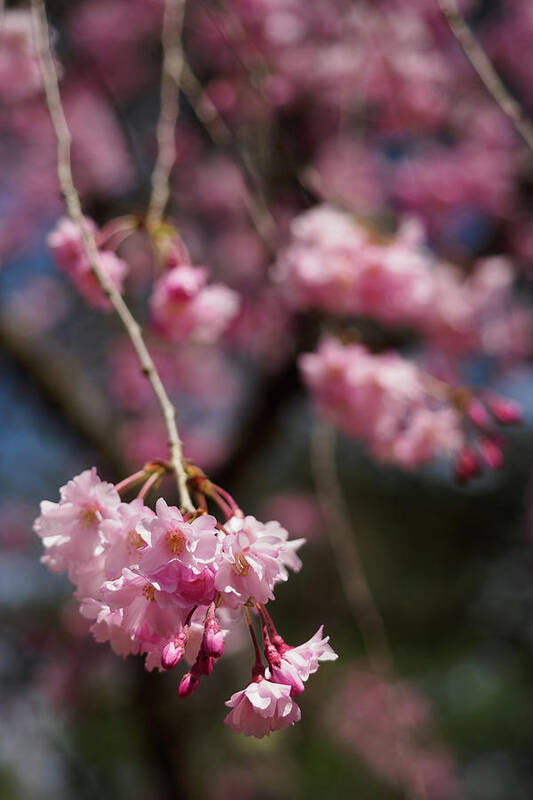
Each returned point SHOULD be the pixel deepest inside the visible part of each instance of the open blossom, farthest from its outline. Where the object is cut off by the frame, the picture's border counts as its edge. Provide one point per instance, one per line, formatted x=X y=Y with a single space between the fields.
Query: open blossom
x=179 y=559
x=121 y=538
x=261 y=708
x=70 y=529
x=184 y=307
x=169 y=586
x=253 y=558
x=66 y=243
x=305 y=658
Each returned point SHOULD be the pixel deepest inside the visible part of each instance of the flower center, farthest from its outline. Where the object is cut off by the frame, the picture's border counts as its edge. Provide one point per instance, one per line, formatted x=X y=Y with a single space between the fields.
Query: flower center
x=176 y=541
x=135 y=540
x=89 y=516
x=149 y=592
x=241 y=565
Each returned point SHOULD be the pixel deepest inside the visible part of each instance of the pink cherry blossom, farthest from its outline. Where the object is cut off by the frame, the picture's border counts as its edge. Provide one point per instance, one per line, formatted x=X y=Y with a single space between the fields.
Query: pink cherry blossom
x=180 y=557
x=122 y=542
x=305 y=658
x=261 y=708
x=70 y=529
x=253 y=558
x=66 y=243
x=184 y=307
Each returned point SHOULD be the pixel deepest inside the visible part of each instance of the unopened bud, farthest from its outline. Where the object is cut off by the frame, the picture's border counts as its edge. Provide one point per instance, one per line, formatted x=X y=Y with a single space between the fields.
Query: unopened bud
x=173 y=651
x=508 y=412
x=478 y=413
x=491 y=452
x=213 y=640
x=467 y=465
x=188 y=684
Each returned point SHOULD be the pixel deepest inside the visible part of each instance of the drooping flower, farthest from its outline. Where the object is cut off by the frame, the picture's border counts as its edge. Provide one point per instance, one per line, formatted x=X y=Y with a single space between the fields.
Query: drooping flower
x=306 y=657
x=70 y=529
x=261 y=708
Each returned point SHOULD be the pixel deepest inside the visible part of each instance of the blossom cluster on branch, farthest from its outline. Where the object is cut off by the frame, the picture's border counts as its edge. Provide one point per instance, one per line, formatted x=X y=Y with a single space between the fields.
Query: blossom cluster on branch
x=170 y=586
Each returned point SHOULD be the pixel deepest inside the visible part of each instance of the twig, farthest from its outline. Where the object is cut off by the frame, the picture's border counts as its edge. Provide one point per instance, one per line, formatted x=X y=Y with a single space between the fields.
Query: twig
x=168 y=114
x=485 y=70
x=344 y=545
x=221 y=135
x=72 y=200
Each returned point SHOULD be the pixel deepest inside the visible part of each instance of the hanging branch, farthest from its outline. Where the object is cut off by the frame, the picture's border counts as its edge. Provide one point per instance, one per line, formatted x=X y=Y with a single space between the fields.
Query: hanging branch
x=73 y=204
x=486 y=72
x=169 y=111
x=344 y=545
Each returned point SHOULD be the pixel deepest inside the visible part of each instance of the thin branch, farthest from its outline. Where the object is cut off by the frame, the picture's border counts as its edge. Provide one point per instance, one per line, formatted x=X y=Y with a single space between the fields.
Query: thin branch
x=221 y=135
x=356 y=587
x=73 y=203
x=344 y=545
x=486 y=72
x=169 y=111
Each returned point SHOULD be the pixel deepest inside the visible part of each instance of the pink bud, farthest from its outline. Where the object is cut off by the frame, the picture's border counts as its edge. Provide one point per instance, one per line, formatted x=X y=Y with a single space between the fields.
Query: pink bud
x=188 y=684
x=173 y=651
x=491 y=452
x=204 y=664
x=213 y=641
x=478 y=413
x=506 y=411
x=467 y=465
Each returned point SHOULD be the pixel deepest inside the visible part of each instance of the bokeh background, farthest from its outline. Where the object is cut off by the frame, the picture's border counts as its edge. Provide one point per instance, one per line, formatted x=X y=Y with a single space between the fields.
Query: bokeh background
x=450 y=567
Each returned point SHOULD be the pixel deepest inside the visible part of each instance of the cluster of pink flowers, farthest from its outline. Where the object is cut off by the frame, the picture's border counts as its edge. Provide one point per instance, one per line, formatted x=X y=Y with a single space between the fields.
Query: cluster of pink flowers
x=381 y=399
x=66 y=244
x=390 y=727
x=169 y=585
x=405 y=416
x=337 y=265
x=184 y=307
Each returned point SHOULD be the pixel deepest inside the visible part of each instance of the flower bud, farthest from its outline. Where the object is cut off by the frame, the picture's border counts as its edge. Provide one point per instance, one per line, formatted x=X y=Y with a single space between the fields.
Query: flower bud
x=213 y=641
x=478 y=413
x=173 y=651
x=506 y=411
x=188 y=684
x=491 y=452
x=467 y=465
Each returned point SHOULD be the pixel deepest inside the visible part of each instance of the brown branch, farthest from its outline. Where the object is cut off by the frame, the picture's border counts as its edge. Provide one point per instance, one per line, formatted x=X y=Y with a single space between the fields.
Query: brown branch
x=73 y=203
x=485 y=70
x=169 y=111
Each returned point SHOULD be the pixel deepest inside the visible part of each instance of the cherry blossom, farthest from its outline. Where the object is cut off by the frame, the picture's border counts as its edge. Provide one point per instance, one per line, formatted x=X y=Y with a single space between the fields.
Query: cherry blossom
x=261 y=708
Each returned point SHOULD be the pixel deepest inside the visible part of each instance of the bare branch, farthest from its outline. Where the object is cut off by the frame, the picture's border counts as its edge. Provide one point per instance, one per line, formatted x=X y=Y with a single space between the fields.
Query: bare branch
x=72 y=200
x=344 y=545
x=486 y=72
x=169 y=111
